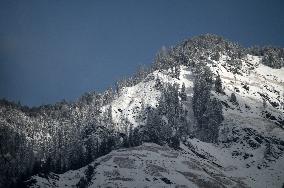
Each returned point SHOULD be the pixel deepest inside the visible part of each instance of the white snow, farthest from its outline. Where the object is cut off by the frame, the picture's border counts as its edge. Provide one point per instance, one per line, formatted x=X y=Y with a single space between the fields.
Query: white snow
x=144 y=166
x=129 y=104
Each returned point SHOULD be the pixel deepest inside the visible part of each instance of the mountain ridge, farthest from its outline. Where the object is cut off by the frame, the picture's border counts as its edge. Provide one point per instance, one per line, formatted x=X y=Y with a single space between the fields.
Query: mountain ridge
x=206 y=88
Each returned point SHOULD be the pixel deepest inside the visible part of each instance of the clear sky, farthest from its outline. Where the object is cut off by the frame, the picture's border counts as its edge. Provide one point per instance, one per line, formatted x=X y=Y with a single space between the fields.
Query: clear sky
x=58 y=49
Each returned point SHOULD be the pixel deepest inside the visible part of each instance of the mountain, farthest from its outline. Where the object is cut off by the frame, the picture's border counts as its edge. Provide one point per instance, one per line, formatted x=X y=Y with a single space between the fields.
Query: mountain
x=207 y=113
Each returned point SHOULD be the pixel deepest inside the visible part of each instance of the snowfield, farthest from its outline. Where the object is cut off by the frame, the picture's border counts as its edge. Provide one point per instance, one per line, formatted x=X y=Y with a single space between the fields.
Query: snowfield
x=196 y=164
x=149 y=165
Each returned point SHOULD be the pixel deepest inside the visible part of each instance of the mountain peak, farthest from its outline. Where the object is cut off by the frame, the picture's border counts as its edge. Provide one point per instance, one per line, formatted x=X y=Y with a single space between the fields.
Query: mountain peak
x=208 y=112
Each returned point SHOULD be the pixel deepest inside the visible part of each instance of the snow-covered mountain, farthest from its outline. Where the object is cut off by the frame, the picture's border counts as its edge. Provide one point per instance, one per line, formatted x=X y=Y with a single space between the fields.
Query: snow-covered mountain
x=246 y=143
x=241 y=159
x=257 y=84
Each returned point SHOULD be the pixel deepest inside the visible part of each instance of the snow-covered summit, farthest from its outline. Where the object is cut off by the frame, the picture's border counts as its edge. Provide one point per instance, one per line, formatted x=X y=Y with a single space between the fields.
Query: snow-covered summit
x=220 y=106
x=259 y=90
x=250 y=149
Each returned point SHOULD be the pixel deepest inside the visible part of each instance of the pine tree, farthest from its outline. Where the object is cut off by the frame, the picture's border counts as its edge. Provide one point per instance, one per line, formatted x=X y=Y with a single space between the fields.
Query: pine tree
x=207 y=111
x=90 y=152
x=153 y=128
x=214 y=116
x=264 y=103
x=177 y=72
x=158 y=84
x=137 y=137
x=201 y=91
x=131 y=136
x=108 y=118
x=215 y=56
x=233 y=99
x=160 y=59
x=218 y=85
x=183 y=93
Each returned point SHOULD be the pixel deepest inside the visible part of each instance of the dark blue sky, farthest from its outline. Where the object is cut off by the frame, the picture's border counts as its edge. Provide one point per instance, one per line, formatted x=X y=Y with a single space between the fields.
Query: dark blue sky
x=59 y=49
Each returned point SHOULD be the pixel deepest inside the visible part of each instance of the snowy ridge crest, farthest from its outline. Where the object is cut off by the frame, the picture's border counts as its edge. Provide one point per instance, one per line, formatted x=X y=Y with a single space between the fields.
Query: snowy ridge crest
x=207 y=113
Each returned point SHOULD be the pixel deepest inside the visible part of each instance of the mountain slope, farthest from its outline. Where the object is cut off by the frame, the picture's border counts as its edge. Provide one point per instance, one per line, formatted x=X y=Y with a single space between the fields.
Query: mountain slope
x=149 y=165
x=196 y=164
x=250 y=148
x=145 y=94
x=218 y=106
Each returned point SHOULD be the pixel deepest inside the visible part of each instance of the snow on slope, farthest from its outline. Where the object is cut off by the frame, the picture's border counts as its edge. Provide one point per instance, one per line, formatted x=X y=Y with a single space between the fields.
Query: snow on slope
x=196 y=164
x=149 y=165
x=252 y=127
x=129 y=104
x=250 y=152
x=257 y=84
x=252 y=175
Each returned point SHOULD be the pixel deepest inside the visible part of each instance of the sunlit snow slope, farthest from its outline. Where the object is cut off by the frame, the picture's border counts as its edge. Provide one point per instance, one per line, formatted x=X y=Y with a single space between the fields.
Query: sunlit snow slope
x=251 y=141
